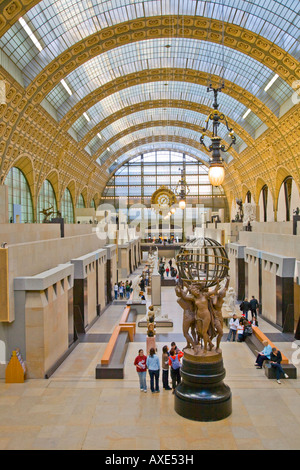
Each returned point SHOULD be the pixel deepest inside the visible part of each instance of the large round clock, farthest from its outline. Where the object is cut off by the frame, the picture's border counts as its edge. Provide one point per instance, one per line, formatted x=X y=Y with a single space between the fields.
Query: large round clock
x=163 y=197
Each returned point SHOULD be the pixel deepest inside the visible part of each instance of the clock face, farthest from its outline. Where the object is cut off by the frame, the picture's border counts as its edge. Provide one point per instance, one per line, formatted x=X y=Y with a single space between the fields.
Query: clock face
x=163 y=200
x=163 y=197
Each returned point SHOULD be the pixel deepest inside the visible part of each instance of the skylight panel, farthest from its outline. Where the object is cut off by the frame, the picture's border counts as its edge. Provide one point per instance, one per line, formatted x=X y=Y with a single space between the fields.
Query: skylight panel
x=30 y=34
x=271 y=82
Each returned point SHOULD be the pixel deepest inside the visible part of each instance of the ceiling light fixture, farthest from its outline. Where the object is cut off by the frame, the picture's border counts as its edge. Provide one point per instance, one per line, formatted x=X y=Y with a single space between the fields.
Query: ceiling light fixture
x=66 y=87
x=216 y=171
x=30 y=34
x=247 y=113
x=271 y=82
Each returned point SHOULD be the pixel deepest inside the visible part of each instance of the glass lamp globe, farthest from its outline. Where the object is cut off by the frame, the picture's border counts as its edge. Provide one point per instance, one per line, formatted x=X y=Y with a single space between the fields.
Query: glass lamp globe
x=182 y=204
x=216 y=174
x=173 y=210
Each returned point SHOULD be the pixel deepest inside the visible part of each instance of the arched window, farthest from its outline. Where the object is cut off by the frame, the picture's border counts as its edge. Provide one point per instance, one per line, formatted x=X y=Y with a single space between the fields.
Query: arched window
x=80 y=202
x=93 y=204
x=264 y=193
x=248 y=197
x=20 y=207
x=46 y=200
x=66 y=207
x=266 y=207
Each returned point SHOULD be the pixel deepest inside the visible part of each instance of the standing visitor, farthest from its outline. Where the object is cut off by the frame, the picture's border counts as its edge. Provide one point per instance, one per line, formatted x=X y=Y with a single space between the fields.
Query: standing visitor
x=240 y=331
x=142 y=284
x=167 y=271
x=245 y=307
x=121 y=290
x=165 y=368
x=264 y=355
x=127 y=290
x=173 y=346
x=153 y=368
x=116 y=289
x=174 y=362
x=233 y=326
x=253 y=308
x=141 y=368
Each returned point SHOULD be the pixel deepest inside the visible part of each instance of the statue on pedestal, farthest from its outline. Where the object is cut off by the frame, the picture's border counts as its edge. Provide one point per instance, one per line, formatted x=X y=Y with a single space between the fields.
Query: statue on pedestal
x=46 y=213
x=203 y=267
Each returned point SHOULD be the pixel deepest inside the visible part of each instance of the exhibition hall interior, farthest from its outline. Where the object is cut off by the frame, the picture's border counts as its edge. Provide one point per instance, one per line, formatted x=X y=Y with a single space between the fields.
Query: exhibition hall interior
x=149 y=225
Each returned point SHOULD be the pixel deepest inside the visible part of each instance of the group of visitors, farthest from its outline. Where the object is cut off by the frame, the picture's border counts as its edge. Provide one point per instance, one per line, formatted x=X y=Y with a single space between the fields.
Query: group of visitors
x=170 y=268
x=251 y=306
x=123 y=289
x=239 y=329
x=171 y=359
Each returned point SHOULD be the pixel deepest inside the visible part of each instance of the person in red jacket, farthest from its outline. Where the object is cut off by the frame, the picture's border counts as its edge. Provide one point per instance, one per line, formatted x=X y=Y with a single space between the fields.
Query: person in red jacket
x=141 y=368
x=174 y=362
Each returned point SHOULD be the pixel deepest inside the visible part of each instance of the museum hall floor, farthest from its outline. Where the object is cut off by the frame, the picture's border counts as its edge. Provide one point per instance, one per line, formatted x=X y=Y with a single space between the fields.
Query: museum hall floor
x=73 y=410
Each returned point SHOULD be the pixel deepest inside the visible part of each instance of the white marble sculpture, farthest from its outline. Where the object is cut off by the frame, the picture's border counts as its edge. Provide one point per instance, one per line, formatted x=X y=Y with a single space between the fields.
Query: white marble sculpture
x=229 y=304
x=249 y=212
x=136 y=289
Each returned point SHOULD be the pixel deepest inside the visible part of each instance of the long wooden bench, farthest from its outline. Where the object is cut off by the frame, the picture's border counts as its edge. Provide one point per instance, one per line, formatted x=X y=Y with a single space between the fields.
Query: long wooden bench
x=255 y=343
x=262 y=337
x=112 y=361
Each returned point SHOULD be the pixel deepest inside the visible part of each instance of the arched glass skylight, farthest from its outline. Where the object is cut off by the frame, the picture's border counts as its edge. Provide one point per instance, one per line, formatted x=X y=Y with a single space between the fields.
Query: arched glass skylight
x=59 y=24
x=192 y=54
x=152 y=115
x=159 y=91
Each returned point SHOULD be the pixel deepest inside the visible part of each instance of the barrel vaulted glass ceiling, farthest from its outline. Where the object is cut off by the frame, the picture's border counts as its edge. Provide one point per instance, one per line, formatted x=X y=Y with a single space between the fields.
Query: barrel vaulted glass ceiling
x=159 y=91
x=148 y=116
x=58 y=24
x=149 y=133
x=152 y=146
x=192 y=54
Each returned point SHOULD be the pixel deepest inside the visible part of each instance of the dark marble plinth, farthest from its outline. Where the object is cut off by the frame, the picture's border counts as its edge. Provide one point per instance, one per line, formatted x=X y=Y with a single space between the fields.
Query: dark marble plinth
x=202 y=394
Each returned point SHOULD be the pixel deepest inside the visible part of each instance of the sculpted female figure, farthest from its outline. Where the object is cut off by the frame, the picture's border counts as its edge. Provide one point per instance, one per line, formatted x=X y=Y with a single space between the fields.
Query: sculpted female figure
x=204 y=319
x=217 y=303
x=186 y=302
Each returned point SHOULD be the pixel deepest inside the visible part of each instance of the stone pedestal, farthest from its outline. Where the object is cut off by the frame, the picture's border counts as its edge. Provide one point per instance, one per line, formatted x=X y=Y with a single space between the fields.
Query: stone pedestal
x=150 y=343
x=202 y=395
x=156 y=289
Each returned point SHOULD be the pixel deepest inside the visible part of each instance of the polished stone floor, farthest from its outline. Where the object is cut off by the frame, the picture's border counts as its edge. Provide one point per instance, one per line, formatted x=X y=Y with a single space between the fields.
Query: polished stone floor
x=73 y=410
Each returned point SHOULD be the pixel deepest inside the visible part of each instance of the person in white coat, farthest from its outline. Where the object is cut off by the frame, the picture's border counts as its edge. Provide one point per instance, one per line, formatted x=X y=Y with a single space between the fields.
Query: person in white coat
x=233 y=326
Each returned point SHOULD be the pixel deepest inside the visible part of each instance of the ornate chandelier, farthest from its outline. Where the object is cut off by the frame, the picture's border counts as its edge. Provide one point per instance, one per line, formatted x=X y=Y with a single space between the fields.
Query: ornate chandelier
x=216 y=171
x=182 y=190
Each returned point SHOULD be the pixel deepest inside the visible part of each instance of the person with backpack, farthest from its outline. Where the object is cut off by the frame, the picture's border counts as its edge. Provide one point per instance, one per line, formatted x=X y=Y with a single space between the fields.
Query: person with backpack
x=174 y=362
x=245 y=307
